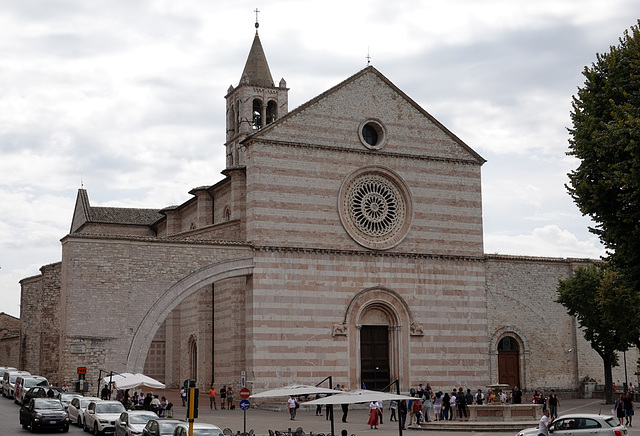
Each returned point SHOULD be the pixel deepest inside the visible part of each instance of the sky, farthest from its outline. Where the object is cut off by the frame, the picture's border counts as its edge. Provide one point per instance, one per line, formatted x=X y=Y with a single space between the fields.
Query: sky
x=125 y=98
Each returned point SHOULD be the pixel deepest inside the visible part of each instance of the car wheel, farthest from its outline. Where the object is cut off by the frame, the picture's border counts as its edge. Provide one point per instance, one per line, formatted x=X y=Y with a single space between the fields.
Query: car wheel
x=65 y=429
x=95 y=429
x=33 y=427
x=84 y=426
x=24 y=425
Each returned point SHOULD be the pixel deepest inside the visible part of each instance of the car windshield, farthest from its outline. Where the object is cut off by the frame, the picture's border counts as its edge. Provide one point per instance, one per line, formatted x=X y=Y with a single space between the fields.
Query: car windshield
x=167 y=427
x=43 y=403
x=31 y=382
x=206 y=432
x=141 y=419
x=109 y=408
x=68 y=397
x=85 y=402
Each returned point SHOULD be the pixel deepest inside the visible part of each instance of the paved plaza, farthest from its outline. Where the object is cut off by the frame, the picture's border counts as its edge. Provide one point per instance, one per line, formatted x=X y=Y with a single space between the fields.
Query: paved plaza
x=261 y=421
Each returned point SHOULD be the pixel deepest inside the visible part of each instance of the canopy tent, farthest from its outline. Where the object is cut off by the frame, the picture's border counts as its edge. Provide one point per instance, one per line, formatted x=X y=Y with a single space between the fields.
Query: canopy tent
x=359 y=396
x=126 y=380
x=295 y=390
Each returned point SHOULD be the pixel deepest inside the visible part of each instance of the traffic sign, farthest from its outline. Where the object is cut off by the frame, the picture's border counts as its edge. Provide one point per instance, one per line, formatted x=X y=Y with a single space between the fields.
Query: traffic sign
x=244 y=404
x=245 y=393
x=82 y=370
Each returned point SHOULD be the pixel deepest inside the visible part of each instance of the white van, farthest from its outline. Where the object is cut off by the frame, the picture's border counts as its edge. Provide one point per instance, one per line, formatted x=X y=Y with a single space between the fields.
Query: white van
x=9 y=382
x=4 y=369
x=26 y=382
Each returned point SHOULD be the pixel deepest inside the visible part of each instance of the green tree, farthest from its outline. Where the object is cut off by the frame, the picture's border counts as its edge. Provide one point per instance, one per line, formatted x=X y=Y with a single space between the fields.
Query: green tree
x=598 y=300
x=606 y=139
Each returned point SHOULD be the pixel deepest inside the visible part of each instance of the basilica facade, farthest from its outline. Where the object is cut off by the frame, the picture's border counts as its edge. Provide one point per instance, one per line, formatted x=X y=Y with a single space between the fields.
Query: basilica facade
x=344 y=240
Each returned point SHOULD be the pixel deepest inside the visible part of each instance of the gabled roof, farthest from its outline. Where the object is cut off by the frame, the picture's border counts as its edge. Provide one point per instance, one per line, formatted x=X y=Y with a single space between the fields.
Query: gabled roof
x=85 y=213
x=368 y=70
x=256 y=70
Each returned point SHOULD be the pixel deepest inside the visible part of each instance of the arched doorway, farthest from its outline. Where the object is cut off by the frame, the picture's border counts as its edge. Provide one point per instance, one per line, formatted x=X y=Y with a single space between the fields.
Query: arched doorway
x=376 y=342
x=380 y=321
x=509 y=361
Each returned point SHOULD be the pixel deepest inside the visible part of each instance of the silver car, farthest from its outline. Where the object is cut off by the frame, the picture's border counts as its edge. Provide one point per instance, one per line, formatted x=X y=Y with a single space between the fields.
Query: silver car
x=132 y=422
x=582 y=424
x=76 y=409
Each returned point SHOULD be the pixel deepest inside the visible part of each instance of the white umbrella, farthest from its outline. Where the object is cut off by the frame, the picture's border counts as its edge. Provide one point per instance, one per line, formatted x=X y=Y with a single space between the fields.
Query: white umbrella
x=359 y=396
x=294 y=390
x=127 y=380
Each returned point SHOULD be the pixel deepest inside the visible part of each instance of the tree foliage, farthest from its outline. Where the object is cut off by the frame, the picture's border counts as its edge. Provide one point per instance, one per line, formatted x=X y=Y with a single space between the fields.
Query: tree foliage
x=606 y=139
x=600 y=301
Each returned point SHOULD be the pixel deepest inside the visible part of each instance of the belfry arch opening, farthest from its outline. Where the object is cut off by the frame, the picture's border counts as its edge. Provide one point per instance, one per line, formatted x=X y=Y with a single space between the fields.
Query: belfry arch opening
x=257 y=114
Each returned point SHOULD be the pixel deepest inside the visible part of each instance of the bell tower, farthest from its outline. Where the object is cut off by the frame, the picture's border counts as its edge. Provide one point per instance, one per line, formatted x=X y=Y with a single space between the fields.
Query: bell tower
x=255 y=103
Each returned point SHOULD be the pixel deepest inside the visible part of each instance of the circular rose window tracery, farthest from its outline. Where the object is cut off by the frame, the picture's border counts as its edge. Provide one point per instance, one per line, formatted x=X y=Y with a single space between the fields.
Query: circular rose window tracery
x=375 y=207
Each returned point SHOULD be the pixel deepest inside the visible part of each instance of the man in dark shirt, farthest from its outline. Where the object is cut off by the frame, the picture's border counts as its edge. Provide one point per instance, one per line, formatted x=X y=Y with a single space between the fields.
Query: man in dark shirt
x=516 y=395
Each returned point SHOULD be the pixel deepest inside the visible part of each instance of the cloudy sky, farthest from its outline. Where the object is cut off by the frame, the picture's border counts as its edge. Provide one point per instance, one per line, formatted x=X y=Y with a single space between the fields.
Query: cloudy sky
x=125 y=98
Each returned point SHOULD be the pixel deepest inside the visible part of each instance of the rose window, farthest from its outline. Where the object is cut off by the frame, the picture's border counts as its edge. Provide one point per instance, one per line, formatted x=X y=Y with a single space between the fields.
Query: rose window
x=374 y=207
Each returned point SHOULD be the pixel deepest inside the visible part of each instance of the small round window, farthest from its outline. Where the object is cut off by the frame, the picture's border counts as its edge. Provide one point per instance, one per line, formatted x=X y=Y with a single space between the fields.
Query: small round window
x=372 y=134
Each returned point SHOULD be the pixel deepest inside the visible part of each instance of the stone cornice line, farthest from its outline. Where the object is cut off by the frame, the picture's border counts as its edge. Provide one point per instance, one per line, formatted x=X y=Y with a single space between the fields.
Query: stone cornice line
x=367 y=152
x=371 y=253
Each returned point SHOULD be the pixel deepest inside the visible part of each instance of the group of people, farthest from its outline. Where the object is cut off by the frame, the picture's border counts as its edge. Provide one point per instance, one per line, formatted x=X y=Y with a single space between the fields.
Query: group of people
x=624 y=409
x=226 y=398
x=144 y=401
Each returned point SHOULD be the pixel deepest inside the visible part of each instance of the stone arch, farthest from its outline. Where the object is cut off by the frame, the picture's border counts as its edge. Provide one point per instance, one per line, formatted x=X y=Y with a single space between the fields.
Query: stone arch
x=381 y=306
x=524 y=353
x=172 y=297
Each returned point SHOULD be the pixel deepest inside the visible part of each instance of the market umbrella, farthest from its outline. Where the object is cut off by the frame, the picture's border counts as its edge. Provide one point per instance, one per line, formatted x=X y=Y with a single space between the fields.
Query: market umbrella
x=127 y=380
x=359 y=396
x=295 y=390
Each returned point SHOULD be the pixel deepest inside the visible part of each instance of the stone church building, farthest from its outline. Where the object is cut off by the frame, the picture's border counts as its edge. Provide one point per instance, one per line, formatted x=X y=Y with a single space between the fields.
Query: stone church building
x=344 y=240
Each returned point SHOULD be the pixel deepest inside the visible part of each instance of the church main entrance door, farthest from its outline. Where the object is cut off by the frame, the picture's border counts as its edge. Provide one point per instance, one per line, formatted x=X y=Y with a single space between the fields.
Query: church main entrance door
x=374 y=352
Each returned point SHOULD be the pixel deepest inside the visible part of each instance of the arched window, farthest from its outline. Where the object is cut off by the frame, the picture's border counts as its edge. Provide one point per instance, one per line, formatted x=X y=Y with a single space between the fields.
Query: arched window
x=272 y=112
x=193 y=358
x=257 y=114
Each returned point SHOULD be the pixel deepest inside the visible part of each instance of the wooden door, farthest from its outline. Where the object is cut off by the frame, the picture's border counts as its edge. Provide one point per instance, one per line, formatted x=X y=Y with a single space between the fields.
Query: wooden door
x=374 y=360
x=509 y=368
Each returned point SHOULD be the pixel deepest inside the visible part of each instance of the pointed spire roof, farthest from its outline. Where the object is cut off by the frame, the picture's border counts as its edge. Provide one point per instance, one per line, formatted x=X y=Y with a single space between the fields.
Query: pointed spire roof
x=256 y=70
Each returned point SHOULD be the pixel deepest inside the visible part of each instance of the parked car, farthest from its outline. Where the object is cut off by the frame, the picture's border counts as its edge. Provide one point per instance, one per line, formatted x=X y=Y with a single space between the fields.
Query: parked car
x=9 y=382
x=132 y=422
x=40 y=413
x=574 y=424
x=66 y=397
x=199 y=429
x=76 y=409
x=100 y=416
x=161 y=427
x=4 y=369
x=24 y=383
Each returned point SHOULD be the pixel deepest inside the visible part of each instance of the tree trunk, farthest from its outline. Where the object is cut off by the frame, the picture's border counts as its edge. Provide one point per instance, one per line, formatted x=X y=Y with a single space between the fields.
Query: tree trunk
x=608 y=381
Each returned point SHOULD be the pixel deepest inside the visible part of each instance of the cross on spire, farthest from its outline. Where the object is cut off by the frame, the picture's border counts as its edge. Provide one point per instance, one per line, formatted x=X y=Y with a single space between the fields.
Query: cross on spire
x=257 y=12
x=368 y=57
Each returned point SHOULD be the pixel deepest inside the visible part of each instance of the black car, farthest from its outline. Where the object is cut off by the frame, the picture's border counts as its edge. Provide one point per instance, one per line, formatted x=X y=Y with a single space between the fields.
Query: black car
x=41 y=413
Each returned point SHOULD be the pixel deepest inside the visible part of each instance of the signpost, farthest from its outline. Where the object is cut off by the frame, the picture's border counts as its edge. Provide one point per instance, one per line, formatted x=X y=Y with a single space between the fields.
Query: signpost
x=245 y=393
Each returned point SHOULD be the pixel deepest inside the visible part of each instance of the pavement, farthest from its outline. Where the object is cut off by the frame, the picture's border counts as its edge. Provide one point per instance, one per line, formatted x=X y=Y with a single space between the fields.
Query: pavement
x=273 y=415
